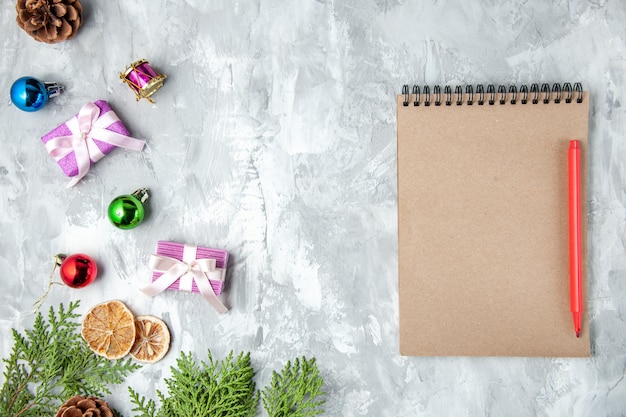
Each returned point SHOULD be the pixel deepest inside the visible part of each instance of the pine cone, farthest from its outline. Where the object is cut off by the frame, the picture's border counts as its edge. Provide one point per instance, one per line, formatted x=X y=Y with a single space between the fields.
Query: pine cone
x=49 y=21
x=78 y=406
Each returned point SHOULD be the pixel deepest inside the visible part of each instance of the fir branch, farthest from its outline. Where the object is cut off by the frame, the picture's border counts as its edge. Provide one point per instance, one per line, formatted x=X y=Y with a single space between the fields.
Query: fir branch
x=295 y=392
x=147 y=409
x=213 y=388
x=50 y=363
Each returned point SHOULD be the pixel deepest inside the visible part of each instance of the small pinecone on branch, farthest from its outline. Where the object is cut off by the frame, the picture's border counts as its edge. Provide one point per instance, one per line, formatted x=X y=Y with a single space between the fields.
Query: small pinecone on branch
x=79 y=406
x=49 y=21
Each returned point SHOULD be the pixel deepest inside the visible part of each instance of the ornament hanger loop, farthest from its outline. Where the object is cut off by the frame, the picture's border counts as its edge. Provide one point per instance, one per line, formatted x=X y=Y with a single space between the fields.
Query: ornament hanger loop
x=58 y=259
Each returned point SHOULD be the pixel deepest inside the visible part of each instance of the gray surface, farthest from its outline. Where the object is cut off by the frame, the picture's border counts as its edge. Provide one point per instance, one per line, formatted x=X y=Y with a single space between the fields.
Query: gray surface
x=274 y=138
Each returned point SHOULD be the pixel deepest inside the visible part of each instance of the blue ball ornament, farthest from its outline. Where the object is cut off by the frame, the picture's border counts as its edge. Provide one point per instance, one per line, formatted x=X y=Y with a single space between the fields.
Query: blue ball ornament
x=29 y=94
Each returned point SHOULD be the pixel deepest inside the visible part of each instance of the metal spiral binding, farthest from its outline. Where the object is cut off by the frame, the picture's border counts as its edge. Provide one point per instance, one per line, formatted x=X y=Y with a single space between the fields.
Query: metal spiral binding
x=469 y=90
x=545 y=94
x=513 y=92
x=492 y=94
x=437 y=92
x=534 y=89
x=448 y=92
x=459 y=95
x=502 y=92
x=480 y=90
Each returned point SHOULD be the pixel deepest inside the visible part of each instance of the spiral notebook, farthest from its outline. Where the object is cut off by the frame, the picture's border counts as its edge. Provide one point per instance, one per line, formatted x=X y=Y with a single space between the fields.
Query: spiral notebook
x=483 y=220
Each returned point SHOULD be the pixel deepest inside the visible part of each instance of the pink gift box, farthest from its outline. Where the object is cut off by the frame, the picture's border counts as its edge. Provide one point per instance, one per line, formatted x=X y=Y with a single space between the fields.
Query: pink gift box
x=68 y=162
x=175 y=250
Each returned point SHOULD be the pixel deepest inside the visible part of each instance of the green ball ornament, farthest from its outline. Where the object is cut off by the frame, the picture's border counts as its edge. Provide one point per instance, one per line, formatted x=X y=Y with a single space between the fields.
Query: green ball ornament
x=127 y=211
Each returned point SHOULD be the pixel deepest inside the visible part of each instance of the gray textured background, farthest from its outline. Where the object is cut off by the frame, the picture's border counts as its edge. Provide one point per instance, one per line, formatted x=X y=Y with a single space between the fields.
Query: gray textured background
x=274 y=138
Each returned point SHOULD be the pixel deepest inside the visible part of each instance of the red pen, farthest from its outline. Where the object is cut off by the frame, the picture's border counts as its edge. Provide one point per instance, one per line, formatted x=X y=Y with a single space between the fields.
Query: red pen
x=575 y=235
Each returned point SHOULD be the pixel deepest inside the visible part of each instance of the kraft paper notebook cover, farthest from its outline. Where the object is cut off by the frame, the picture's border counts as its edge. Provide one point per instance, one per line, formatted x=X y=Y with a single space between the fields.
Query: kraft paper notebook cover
x=483 y=220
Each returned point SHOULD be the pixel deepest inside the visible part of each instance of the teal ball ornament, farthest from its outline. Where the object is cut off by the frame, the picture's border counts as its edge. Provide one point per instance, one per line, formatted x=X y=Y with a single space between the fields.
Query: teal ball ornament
x=30 y=95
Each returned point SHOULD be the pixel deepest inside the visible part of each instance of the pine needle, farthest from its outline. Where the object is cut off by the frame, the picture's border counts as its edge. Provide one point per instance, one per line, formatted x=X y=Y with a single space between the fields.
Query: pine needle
x=50 y=363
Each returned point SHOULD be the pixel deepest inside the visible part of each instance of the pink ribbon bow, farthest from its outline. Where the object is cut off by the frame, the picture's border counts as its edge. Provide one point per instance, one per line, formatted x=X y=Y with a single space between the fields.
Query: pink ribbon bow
x=85 y=127
x=189 y=270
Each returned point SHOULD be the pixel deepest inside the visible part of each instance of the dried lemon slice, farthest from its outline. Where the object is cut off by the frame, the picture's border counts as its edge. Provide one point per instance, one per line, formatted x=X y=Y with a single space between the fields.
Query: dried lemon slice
x=152 y=339
x=109 y=329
